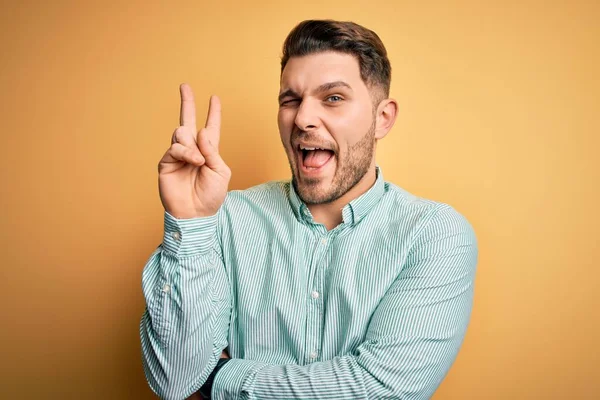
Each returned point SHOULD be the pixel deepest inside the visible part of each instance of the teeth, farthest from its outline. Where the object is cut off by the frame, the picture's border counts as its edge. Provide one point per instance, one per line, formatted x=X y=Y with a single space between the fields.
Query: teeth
x=310 y=148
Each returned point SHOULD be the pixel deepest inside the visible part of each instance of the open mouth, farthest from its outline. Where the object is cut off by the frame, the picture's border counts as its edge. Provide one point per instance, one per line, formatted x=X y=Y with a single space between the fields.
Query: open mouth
x=314 y=159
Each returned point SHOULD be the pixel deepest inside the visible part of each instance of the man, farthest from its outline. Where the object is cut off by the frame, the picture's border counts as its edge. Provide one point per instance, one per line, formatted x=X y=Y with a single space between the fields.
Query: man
x=336 y=285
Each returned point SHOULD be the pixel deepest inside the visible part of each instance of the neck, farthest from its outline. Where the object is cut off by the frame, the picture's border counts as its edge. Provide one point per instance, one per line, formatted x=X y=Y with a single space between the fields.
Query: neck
x=330 y=214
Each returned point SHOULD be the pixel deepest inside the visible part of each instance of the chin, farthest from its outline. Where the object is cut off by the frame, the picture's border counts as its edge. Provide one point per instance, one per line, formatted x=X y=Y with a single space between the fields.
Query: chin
x=314 y=190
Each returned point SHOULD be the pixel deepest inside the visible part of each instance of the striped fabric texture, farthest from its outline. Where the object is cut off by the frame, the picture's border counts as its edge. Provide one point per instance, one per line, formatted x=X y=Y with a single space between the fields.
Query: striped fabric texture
x=376 y=308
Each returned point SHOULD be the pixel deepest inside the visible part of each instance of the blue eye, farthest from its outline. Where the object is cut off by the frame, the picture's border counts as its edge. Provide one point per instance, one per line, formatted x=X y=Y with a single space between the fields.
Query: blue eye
x=334 y=99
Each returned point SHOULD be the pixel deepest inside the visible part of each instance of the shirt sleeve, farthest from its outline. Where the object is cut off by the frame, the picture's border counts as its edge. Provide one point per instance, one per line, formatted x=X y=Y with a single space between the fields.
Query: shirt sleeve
x=411 y=341
x=188 y=304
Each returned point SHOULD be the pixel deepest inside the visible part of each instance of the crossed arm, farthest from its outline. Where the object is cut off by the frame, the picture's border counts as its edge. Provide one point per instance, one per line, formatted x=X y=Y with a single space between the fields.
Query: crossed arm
x=184 y=331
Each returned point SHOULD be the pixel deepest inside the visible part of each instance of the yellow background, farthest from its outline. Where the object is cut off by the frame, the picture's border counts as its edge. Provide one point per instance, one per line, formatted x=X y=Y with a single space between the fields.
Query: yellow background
x=499 y=106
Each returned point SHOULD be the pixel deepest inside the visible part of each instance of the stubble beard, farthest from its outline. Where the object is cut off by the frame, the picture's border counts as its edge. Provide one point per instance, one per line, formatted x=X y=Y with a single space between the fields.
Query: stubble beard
x=348 y=174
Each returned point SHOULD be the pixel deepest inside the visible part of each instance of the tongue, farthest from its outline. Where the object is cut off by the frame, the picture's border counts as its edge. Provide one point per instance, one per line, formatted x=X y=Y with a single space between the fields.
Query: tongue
x=316 y=158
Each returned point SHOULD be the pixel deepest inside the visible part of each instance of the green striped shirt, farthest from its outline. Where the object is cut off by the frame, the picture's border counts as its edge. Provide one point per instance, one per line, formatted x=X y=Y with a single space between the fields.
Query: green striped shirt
x=375 y=308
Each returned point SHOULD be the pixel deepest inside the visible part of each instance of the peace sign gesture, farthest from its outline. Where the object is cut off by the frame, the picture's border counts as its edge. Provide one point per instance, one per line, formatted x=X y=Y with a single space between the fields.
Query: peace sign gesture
x=192 y=177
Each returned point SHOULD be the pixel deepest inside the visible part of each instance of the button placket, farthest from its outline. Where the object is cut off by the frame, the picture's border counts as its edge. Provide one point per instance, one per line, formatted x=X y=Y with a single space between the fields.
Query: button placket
x=315 y=301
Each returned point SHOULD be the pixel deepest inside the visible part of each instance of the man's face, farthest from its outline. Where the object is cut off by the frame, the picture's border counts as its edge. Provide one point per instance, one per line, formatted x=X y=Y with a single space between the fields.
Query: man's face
x=326 y=123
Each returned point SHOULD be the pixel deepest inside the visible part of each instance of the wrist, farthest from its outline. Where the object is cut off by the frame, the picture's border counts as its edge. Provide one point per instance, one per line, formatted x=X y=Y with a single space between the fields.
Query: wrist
x=206 y=389
x=177 y=214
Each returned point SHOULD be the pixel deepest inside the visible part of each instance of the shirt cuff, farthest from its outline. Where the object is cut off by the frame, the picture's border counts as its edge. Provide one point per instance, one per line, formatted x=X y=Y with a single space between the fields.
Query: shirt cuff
x=235 y=379
x=189 y=237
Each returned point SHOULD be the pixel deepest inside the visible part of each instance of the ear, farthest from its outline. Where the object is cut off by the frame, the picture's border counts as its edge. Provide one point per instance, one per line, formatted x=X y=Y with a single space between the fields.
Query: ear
x=385 y=117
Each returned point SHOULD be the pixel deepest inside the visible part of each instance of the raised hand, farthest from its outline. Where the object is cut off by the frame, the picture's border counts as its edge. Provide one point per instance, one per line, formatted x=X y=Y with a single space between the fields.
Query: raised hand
x=192 y=177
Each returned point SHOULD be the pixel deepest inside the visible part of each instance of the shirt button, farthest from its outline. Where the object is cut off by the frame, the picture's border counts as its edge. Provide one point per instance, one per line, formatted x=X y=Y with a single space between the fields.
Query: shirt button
x=176 y=236
x=313 y=355
x=166 y=288
x=315 y=294
x=323 y=241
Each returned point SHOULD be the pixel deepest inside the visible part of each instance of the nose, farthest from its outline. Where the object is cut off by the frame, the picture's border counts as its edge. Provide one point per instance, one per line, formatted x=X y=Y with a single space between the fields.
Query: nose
x=307 y=117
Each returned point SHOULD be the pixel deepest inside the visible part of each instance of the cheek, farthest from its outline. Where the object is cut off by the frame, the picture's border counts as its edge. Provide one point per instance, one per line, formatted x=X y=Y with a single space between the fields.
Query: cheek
x=285 y=119
x=349 y=126
x=285 y=124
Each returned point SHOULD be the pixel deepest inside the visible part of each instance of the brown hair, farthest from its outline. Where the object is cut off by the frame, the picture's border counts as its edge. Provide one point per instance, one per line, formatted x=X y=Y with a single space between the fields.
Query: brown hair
x=313 y=36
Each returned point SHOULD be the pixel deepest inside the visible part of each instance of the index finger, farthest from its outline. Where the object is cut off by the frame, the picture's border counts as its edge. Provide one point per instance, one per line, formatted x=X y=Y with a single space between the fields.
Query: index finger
x=187 y=114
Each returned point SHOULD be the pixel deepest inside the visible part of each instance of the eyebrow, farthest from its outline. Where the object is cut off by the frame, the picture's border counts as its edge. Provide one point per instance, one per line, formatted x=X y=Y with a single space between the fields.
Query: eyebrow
x=332 y=85
x=323 y=88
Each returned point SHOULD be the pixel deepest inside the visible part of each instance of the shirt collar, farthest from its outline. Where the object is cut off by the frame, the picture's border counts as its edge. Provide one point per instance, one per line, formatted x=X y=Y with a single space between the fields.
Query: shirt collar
x=353 y=212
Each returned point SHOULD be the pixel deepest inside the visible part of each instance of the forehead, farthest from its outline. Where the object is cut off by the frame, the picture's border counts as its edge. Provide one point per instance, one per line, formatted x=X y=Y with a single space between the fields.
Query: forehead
x=310 y=71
